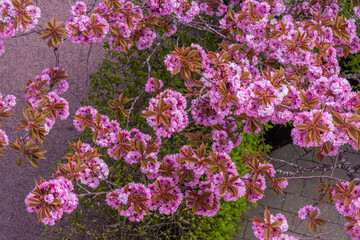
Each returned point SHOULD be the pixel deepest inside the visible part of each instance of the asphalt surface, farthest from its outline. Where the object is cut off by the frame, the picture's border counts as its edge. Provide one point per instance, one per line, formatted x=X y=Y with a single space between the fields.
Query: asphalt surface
x=24 y=58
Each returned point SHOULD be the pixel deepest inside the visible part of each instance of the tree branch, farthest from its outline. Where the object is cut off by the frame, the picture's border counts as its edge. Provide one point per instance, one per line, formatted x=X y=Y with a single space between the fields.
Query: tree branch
x=325 y=233
x=57 y=60
x=355 y=76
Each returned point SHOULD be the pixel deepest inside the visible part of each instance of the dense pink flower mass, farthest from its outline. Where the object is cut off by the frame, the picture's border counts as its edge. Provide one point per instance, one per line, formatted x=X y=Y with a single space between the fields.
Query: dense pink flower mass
x=105 y=129
x=306 y=211
x=153 y=85
x=6 y=104
x=91 y=169
x=186 y=11
x=165 y=195
x=237 y=87
x=275 y=65
x=352 y=205
x=52 y=199
x=28 y=14
x=43 y=94
x=275 y=232
x=134 y=200
x=85 y=29
x=167 y=113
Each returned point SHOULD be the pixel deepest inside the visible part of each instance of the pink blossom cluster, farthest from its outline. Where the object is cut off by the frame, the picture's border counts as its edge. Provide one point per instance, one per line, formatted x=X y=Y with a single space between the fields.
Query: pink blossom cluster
x=181 y=169
x=299 y=136
x=218 y=179
x=261 y=182
x=284 y=236
x=106 y=130
x=127 y=21
x=55 y=195
x=7 y=102
x=95 y=169
x=203 y=113
x=43 y=94
x=29 y=16
x=357 y=12
x=354 y=232
x=210 y=202
x=146 y=38
x=349 y=206
x=4 y=138
x=225 y=137
x=134 y=156
x=165 y=195
x=123 y=144
x=197 y=169
x=354 y=201
x=131 y=20
x=186 y=10
x=173 y=171
x=175 y=114
x=171 y=61
x=207 y=110
x=135 y=198
x=275 y=233
x=212 y=185
x=306 y=211
x=85 y=29
x=217 y=8
x=333 y=91
x=151 y=85
x=160 y=7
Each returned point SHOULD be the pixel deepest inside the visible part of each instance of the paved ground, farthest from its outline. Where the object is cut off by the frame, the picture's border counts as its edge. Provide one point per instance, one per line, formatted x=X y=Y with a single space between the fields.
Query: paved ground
x=24 y=58
x=296 y=195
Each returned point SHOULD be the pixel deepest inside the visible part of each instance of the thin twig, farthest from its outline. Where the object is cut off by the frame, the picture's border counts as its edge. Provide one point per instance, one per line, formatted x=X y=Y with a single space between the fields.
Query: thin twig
x=91 y=194
x=57 y=60
x=312 y=177
x=155 y=49
x=286 y=162
x=25 y=34
x=198 y=99
x=325 y=233
x=289 y=108
x=306 y=170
